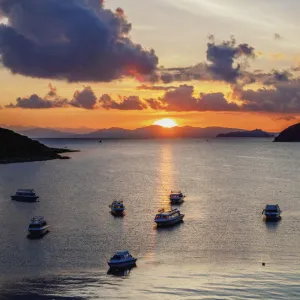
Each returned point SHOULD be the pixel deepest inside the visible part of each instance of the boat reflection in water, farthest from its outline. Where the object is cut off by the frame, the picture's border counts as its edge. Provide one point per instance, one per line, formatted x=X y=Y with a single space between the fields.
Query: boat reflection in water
x=120 y=272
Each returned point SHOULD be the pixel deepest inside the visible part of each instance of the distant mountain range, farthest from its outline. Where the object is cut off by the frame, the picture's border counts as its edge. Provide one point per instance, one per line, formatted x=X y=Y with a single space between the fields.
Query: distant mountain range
x=147 y=132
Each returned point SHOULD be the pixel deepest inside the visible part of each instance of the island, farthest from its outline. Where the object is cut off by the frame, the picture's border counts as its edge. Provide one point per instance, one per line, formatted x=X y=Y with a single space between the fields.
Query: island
x=290 y=134
x=15 y=147
x=257 y=133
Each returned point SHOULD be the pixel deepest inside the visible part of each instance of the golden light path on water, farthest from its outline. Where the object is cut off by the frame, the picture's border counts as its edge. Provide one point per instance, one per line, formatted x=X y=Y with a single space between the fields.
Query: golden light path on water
x=165 y=176
x=165 y=181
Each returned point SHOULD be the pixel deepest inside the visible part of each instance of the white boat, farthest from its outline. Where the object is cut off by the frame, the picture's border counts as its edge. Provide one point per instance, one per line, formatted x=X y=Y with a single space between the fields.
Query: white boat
x=272 y=212
x=168 y=218
x=38 y=227
x=25 y=195
x=117 y=208
x=176 y=197
x=122 y=259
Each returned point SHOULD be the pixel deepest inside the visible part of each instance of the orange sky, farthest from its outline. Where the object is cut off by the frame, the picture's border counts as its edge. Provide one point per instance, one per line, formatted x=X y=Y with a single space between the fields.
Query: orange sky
x=73 y=118
x=101 y=118
x=175 y=46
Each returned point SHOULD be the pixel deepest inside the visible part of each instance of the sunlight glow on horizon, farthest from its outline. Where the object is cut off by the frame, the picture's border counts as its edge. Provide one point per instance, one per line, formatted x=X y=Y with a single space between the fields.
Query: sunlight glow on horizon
x=166 y=122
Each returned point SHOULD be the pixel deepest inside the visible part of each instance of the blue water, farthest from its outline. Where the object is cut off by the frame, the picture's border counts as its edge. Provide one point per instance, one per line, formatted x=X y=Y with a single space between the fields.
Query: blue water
x=217 y=253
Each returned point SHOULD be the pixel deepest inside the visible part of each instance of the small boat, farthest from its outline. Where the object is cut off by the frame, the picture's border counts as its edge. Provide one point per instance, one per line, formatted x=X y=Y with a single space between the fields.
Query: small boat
x=117 y=208
x=38 y=227
x=272 y=212
x=100 y=141
x=122 y=260
x=25 y=195
x=177 y=197
x=168 y=218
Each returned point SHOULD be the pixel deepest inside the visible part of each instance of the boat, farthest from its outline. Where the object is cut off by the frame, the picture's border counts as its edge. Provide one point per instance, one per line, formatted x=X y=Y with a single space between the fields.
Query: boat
x=117 y=208
x=168 y=218
x=38 y=227
x=122 y=260
x=177 y=197
x=25 y=195
x=272 y=212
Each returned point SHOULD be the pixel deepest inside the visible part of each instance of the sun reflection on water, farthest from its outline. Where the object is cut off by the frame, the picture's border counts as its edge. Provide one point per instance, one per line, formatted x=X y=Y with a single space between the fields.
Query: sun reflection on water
x=165 y=177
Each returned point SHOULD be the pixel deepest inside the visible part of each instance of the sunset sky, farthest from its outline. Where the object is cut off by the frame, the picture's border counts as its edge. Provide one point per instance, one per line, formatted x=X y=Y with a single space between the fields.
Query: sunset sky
x=86 y=63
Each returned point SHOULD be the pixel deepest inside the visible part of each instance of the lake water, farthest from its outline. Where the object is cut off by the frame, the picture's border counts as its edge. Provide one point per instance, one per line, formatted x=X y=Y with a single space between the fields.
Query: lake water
x=217 y=253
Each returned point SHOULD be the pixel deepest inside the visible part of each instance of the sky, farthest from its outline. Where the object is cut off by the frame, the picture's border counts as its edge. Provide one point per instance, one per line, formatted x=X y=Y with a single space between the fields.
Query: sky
x=96 y=64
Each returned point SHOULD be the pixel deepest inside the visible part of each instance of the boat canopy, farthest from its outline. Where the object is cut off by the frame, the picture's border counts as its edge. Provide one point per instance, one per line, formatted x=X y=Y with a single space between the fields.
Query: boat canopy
x=162 y=212
x=37 y=219
x=272 y=207
x=122 y=252
x=25 y=191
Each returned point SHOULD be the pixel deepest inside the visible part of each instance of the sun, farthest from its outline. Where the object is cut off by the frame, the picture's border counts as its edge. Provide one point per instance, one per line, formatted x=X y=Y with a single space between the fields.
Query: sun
x=167 y=123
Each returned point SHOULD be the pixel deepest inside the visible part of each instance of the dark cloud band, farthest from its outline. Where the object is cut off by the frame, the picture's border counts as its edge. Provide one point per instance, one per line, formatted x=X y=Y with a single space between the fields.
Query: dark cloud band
x=74 y=40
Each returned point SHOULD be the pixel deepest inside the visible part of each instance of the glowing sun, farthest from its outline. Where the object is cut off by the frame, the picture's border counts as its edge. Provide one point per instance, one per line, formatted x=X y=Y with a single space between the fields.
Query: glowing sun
x=167 y=123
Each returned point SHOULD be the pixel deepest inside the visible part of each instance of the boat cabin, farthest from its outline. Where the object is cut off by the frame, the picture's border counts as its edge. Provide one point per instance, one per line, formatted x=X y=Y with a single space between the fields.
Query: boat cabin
x=176 y=194
x=37 y=222
x=169 y=215
x=117 y=204
x=25 y=192
x=272 y=208
x=121 y=255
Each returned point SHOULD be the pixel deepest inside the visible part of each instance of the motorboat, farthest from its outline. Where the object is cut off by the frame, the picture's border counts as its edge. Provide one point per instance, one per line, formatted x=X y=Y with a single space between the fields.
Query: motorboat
x=38 y=227
x=168 y=218
x=117 y=208
x=177 y=197
x=272 y=212
x=25 y=195
x=122 y=260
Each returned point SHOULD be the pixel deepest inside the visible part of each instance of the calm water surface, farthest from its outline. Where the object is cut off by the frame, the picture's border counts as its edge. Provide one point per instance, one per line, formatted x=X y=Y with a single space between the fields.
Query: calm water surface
x=217 y=253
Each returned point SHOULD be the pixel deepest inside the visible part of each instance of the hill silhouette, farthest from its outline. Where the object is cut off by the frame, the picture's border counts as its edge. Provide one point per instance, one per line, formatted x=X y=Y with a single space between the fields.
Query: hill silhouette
x=15 y=147
x=290 y=134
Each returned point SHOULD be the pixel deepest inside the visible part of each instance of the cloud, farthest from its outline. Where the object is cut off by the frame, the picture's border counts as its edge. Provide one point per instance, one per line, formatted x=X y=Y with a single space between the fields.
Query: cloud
x=50 y=100
x=155 y=87
x=274 y=77
x=226 y=62
x=197 y=72
x=223 y=59
x=85 y=99
x=126 y=103
x=74 y=40
x=36 y=102
x=277 y=36
x=82 y=99
x=286 y=118
x=155 y=104
x=284 y=97
x=183 y=99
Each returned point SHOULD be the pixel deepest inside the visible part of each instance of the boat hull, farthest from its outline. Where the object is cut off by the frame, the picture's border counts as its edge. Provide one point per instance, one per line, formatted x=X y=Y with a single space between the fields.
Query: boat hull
x=176 y=201
x=117 y=212
x=272 y=218
x=122 y=265
x=24 y=199
x=38 y=233
x=169 y=223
